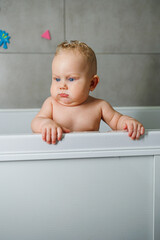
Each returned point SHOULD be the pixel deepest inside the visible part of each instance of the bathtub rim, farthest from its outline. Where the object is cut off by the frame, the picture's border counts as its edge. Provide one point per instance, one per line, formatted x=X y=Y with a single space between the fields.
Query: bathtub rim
x=119 y=107
x=31 y=147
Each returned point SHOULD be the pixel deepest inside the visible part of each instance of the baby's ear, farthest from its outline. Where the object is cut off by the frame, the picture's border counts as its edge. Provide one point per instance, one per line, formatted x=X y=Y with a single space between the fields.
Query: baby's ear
x=94 y=82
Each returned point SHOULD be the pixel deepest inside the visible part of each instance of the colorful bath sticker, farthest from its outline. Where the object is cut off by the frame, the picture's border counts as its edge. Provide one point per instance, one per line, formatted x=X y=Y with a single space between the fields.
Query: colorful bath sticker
x=4 y=39
x=46 y=35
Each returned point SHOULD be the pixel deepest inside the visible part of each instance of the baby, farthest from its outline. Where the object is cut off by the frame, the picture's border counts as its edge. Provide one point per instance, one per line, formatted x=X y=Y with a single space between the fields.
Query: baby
x=70 y=108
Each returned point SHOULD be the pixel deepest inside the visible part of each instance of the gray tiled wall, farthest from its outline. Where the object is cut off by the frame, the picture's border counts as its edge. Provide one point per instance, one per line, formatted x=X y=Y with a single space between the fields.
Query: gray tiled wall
x=125 y=35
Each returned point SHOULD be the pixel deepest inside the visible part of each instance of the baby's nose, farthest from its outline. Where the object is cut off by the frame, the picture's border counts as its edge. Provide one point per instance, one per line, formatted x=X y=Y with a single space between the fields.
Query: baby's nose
x=63 y=85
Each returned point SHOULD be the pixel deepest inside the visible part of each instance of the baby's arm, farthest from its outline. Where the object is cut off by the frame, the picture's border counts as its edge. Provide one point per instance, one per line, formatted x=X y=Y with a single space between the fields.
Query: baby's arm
x=118 y=121
x=43 y=123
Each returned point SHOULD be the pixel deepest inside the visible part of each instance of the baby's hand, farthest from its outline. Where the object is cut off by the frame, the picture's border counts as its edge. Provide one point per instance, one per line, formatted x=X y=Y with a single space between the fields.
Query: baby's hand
x=135 y=129
x=52 y=132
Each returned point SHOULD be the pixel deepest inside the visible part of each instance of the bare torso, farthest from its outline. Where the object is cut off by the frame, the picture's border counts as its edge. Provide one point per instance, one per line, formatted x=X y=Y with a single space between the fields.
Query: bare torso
x=84 y=117
x=80 y=118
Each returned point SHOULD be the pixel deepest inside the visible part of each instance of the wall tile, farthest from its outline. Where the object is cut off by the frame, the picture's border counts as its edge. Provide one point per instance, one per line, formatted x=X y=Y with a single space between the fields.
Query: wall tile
x=127 y=80
x=25 y=80
x=26 y=21
x=115 y=26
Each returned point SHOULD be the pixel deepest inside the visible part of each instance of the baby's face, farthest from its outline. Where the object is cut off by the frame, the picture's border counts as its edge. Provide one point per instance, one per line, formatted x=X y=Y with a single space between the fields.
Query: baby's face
x=71 y=78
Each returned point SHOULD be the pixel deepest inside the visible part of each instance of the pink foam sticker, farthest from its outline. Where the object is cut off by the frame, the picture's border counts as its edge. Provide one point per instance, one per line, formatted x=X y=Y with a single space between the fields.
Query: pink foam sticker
x=46 y=35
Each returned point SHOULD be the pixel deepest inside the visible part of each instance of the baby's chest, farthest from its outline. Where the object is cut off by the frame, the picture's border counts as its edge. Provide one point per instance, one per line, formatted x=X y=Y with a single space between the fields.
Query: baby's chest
x=78 y=120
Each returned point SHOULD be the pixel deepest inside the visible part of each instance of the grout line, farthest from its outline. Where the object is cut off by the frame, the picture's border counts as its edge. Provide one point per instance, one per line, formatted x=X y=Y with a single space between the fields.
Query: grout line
x=97 y=53
x=32 y=53
x=64 y=18
x=128 y=53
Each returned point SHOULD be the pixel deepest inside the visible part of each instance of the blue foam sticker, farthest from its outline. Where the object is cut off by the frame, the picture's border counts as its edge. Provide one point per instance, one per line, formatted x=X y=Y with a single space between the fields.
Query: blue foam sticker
x=4 y=39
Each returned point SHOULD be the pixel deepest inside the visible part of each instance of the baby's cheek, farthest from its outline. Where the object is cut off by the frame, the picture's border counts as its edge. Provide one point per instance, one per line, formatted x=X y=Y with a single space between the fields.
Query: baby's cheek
x=53 y=92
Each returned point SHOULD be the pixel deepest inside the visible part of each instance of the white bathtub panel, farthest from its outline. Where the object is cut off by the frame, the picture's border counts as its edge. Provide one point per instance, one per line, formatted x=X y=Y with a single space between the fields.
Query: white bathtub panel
x=157 y=197
x=78 y=145
x=77 y=199
x=16 y=121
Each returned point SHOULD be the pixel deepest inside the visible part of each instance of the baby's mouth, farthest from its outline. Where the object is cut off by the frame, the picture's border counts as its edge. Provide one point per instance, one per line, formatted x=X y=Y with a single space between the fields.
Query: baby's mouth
x=63 y=95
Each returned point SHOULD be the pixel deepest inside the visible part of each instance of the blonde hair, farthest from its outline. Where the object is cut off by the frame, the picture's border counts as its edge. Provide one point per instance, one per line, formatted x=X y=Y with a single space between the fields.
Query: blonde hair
x=83 y=49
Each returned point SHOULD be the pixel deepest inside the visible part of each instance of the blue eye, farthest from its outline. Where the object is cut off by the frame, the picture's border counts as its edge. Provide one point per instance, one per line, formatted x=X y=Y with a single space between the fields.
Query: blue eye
x=58 y=79
x=71 y=79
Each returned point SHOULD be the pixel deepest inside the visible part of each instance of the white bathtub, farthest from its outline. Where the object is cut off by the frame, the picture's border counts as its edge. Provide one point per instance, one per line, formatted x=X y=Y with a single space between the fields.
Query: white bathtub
x=93 y=185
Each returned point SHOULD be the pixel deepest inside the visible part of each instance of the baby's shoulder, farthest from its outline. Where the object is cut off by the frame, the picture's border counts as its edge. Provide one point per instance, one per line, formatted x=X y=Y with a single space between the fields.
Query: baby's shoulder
x=99 y=102
x=47 y=103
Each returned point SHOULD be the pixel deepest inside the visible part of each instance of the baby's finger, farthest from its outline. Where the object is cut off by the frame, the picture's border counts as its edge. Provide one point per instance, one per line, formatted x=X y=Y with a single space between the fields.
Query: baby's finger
x=65 y=130
x=130 y=129
x=142 y=130
x=48 y=137
x=135 y=126
x=44 y=134
x=125 y=126
x=59 y=133
x=54 y=135
x=138 y=132
x=133 y=136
